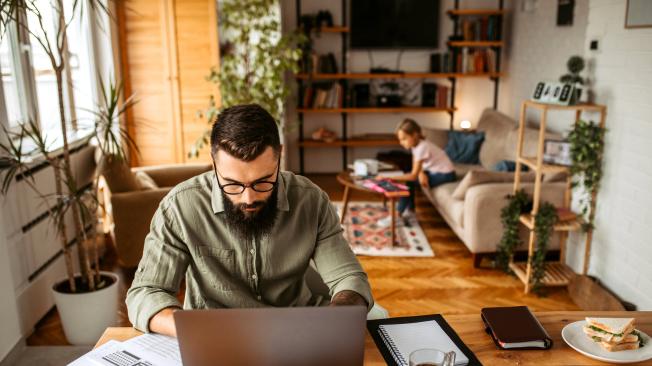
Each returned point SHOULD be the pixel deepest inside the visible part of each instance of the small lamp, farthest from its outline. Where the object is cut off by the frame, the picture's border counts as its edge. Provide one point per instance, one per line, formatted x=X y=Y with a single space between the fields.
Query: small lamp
x=465 y=125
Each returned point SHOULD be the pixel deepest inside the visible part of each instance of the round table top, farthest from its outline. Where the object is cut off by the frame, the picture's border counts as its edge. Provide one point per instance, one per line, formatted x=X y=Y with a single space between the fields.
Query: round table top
x=345 y=179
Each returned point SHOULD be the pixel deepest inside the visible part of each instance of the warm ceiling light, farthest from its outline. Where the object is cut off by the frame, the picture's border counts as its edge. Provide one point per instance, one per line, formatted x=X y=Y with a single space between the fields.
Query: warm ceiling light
x=465 y=125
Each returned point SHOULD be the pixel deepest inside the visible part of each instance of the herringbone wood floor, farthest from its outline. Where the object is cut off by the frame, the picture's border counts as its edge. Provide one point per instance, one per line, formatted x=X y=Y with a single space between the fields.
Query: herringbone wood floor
x=446 y=284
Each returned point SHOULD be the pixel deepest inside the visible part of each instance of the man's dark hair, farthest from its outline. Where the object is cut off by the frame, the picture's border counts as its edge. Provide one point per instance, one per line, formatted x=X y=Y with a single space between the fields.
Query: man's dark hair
x=245 y=131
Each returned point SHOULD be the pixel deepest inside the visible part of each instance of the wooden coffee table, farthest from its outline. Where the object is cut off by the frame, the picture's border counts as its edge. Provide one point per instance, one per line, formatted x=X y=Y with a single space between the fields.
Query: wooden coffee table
x=347 y=181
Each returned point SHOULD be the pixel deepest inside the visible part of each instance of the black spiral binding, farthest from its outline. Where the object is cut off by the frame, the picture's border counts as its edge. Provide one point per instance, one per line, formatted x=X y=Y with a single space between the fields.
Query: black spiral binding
x=398 y=357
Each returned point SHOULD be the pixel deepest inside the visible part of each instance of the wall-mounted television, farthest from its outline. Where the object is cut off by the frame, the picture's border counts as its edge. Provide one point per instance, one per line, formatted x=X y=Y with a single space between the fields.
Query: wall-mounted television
x=386 y=24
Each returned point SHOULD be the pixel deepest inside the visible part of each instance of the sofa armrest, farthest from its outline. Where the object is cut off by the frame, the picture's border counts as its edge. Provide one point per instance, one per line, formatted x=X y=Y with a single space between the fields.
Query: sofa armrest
x=482 y=205
x=132 y=215
x=172 y=174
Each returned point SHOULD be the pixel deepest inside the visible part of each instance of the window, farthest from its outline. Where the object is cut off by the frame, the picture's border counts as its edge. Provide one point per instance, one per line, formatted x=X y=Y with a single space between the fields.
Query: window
x=10 y=90
x=29 y=86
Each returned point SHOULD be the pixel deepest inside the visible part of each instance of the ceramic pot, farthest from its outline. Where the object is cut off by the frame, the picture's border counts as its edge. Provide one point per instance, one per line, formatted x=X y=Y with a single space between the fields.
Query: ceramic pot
x=85 y=316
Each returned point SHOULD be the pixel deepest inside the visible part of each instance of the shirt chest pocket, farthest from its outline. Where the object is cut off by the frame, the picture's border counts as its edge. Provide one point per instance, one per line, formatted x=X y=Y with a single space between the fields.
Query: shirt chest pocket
x=218 y=266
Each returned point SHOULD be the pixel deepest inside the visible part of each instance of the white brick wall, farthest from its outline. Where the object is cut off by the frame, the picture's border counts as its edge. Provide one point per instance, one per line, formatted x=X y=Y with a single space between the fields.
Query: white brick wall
x=622 y=72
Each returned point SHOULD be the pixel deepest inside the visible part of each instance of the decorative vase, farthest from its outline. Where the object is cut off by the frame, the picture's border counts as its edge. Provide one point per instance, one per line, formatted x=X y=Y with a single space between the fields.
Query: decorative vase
x=85 y=316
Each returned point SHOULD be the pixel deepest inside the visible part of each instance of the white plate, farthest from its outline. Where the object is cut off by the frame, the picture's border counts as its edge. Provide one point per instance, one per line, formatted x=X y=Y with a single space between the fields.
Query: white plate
x=576 y=339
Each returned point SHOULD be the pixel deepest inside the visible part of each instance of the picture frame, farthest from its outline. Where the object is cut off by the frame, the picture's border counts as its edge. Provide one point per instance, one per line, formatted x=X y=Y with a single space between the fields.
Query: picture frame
x=638 y=14
x=557 y=152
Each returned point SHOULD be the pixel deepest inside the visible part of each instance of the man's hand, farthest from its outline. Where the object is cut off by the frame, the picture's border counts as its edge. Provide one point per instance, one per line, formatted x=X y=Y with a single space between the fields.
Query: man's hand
x=163 y=322
x=348 y=297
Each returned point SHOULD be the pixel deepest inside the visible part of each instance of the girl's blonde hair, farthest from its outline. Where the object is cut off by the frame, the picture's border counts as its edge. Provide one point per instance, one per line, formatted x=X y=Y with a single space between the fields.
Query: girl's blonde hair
x=410 y=127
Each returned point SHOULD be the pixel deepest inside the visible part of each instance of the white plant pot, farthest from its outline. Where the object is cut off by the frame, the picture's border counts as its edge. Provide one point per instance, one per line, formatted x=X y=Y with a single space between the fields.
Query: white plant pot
x=86 y=316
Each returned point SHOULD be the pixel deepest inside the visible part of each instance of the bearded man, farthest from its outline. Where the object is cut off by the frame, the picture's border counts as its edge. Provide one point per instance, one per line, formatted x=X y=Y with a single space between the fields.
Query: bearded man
x=243 y=235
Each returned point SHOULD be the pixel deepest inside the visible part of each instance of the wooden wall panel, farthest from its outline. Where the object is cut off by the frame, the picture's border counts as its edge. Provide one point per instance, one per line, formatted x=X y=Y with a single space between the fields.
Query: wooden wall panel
x=168 y=48
x=197 y=51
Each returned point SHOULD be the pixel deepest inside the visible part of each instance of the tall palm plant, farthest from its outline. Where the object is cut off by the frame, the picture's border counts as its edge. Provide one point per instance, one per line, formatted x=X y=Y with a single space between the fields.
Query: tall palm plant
x=111 y=137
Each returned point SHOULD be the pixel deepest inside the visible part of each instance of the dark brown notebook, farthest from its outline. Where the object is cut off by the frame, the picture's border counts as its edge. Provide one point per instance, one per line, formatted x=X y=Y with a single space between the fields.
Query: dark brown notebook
x=515 y=328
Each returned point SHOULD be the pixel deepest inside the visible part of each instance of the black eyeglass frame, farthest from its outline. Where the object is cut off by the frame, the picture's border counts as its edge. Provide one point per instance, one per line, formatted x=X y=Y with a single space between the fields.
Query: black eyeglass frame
x=245 y=186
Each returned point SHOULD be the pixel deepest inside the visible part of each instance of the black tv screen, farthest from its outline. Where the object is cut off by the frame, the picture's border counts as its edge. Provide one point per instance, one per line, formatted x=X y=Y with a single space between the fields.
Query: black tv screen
x=394 y=23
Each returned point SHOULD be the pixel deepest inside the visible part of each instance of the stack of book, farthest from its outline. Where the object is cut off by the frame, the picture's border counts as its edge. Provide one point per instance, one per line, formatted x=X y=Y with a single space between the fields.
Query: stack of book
x=476 y=60
x=322 y=96
x=442 y=62
x=481 y=29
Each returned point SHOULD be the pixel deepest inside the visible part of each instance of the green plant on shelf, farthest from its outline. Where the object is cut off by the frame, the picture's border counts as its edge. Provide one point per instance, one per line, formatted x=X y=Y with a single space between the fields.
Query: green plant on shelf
x=586 y=149
x=546 y=217
x=544 y=221
x=509 y=216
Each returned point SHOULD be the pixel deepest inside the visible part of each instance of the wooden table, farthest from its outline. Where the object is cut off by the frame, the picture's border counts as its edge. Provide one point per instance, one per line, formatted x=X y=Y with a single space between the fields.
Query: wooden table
x=471 y=331
x=347 y=181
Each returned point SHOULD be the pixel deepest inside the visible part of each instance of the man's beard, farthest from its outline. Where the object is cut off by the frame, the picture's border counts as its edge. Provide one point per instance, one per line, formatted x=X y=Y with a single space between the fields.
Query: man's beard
x=249 y=226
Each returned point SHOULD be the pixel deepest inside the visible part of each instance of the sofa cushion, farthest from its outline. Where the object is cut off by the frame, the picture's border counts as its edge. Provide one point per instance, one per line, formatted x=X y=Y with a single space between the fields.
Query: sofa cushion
x=117 y=174
x=438 y=137
x=476 y=177
x=462 y=169
x=464 y=147
x=497 y=128
x=452 y=207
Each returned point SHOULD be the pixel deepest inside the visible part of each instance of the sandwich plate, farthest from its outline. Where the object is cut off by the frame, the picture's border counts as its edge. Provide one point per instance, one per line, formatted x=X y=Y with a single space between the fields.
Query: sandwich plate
x=576 y=339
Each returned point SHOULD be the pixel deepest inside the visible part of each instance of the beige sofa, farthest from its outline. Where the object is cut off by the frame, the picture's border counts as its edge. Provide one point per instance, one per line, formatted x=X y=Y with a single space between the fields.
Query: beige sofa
x=475 y=217
x=130 y=202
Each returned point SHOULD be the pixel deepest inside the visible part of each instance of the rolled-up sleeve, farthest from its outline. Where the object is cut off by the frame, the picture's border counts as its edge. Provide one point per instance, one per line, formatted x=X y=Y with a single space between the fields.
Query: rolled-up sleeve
x=159 y=274
x=334 y=259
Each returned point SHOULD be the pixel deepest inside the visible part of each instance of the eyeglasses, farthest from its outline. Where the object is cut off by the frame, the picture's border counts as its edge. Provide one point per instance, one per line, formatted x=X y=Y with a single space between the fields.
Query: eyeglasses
x=258 y=186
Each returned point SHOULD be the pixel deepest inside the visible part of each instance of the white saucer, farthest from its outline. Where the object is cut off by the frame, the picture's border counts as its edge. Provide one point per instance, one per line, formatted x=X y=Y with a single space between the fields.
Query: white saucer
x=576 y=339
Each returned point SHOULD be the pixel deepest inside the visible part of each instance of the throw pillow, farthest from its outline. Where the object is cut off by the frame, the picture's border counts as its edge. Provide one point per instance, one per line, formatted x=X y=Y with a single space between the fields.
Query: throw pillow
x=117 y=174
x=145 y=181
x=509 y=166
x=476 y=177
x=464 y=147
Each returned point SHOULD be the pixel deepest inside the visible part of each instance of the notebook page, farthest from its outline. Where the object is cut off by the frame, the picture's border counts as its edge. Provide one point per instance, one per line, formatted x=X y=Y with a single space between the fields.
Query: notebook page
x=410 y=337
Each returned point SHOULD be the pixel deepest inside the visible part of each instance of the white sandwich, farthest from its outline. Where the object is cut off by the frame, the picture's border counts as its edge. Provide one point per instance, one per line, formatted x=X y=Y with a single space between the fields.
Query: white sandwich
x=612 y=330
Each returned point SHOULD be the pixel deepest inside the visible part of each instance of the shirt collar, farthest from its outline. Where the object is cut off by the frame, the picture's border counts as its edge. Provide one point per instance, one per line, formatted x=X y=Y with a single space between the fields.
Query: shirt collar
x=217 y=200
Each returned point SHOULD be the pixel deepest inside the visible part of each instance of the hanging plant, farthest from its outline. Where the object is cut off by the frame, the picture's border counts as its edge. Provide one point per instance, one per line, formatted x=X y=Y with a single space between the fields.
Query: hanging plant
x=544 y=221
x=587 y=147
x=509 y=216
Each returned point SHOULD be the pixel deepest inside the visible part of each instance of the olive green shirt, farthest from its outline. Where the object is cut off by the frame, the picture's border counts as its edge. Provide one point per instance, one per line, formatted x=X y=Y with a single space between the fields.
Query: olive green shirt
x=189 y=236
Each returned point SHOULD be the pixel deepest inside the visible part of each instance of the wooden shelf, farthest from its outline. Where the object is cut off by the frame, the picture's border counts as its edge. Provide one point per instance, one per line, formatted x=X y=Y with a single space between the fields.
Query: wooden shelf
x=376 y=110
x=576 y=107
x=556 y=274
x=475 y=43
x=545 y=168
x=458 y=12
x=570 y=225
x=333 y=29
x=350 y=143
x=407 y=75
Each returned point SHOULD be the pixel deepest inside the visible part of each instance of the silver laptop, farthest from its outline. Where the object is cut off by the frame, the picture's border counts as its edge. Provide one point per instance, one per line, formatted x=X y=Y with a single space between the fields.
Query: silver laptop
x=272 y=336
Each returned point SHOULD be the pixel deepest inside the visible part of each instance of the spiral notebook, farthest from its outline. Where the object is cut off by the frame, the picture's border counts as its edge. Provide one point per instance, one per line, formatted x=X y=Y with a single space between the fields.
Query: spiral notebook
x=396 y=338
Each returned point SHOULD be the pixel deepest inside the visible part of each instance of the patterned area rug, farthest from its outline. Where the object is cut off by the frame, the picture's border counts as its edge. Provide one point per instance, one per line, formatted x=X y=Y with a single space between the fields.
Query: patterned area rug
x=367 y=238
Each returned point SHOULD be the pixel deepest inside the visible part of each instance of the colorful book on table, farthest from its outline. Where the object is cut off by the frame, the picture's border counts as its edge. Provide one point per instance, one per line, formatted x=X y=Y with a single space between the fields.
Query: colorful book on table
x=387 y=187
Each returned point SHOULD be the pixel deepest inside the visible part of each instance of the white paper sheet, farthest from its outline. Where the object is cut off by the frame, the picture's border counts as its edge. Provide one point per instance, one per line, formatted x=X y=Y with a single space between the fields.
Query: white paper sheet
x=144 y=350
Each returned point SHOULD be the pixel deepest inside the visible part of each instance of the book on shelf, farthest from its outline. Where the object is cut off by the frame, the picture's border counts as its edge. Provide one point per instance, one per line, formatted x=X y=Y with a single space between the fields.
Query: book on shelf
x=321 y=64
x=484 y=28
x=472 y=61
x=329 y=95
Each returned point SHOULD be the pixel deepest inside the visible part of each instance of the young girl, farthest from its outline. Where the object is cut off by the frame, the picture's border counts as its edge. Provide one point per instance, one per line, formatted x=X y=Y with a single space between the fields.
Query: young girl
x=430 y=165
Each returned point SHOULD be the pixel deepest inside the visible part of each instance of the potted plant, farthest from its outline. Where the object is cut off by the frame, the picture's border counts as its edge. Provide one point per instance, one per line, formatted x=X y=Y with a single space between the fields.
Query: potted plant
x=575 y=65
x=254 y=60
x=87 y=300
